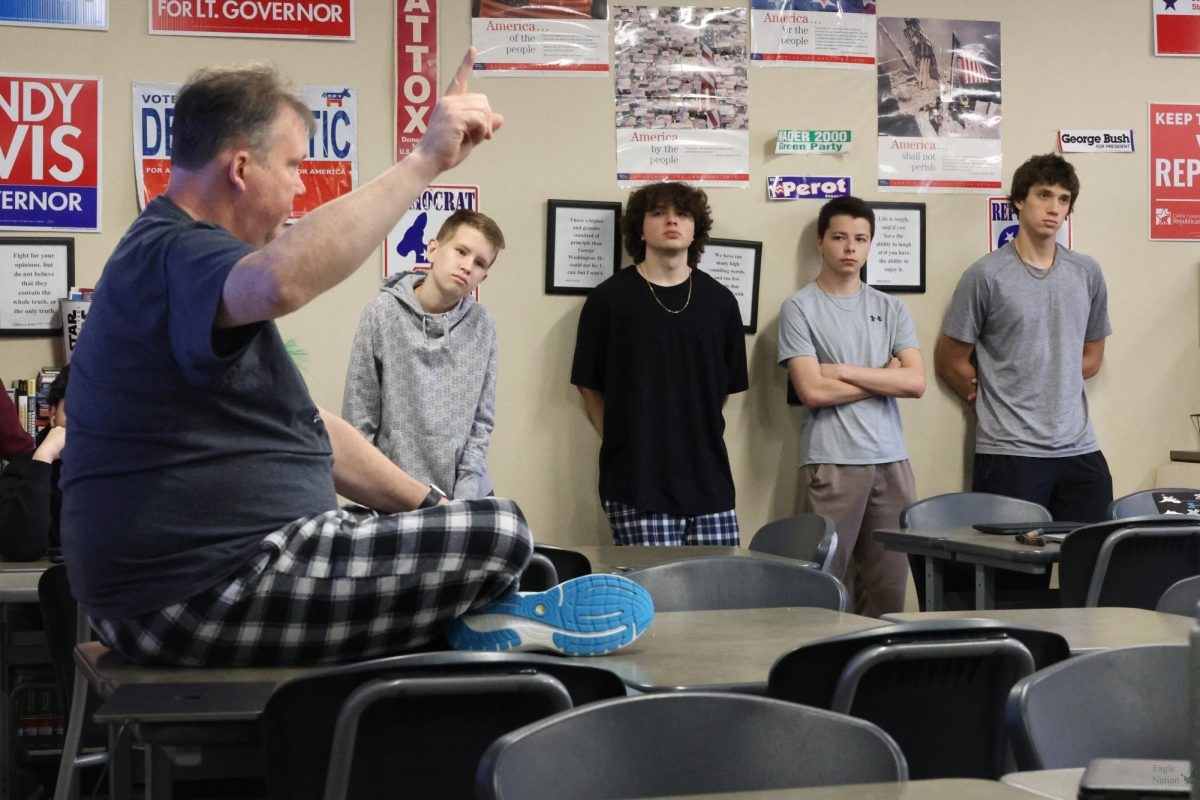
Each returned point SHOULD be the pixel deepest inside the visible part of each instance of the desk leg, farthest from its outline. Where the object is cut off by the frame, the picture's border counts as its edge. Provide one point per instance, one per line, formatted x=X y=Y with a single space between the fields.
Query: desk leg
x=159 y=783
x=934 y=596
x=985 y=587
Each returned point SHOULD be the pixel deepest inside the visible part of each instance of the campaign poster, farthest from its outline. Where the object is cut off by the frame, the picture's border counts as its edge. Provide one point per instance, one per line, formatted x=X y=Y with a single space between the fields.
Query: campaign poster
x=1003 y=225
x=329 y=170
x=91 y=15
x=682 y=96
x=49 y=152
x=416 y=70
x=813 y=33
x=939 y=105
x=1174 y=172
x=404 y=247
x=560 y=38
x=270 y=19
x=1176 y=27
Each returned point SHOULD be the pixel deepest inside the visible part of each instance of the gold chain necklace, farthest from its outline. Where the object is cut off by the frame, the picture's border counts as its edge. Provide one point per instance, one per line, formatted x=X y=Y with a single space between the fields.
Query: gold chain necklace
x=1033 y=271
x=661 y=305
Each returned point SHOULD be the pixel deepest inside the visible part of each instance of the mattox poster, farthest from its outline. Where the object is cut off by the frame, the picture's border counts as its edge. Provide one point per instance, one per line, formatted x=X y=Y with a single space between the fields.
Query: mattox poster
x=49 y=152
x=330 y=170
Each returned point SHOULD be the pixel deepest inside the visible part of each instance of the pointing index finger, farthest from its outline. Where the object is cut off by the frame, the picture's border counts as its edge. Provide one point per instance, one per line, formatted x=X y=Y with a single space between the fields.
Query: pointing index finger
x=458 y=84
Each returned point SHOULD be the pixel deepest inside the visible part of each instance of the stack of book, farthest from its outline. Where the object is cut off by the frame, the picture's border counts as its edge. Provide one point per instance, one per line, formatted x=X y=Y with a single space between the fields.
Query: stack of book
x=29 y=396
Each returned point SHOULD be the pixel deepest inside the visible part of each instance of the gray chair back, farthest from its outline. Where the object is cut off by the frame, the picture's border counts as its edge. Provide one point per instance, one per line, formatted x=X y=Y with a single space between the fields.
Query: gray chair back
x=568 y=564
x=1141 y=504
x=957 y=509
x=808 y=537
x=1181 y=597
x=937 y=687
x=709 y=583
x=1128 y=702
x=1128 y=562
x=420 y=721
x=685 y=743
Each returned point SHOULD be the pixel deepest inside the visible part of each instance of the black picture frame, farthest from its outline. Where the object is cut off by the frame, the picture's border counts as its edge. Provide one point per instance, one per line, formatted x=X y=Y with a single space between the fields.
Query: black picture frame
x=897 y=260
x=583 y=244
x=35 y=273
x=737 y=265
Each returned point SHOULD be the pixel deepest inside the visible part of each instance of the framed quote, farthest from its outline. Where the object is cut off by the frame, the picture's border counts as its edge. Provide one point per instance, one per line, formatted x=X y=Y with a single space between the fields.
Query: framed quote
x=736 y=264
x=897 y=260
x=35 y=273
x=583 y=244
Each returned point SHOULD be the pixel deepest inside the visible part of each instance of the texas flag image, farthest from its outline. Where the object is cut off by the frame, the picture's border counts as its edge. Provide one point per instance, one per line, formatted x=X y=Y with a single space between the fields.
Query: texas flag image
x=1176 y=28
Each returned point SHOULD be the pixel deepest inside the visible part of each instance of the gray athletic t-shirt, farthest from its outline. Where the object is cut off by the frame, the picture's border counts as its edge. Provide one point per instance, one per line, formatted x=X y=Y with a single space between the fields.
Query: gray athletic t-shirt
x=866 y=330
x=1028 y=335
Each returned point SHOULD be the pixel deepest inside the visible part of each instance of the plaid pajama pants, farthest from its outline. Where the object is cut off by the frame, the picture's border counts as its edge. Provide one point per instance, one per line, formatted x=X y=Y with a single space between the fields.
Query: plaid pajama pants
x=340 y=586
x=632 y=526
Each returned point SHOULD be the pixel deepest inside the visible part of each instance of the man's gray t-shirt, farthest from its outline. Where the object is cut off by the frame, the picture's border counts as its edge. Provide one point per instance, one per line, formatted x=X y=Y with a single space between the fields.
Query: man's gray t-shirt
x=866 y=330
x=1029 y=335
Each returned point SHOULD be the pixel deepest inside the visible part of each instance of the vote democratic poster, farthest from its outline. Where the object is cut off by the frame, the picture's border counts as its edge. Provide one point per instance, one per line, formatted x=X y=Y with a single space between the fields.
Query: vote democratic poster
x=91 y=15
x=404 y=247
x=329 y=170
x=813 y=33
x=271 y=19
x=559 y=38
x=939 y=105
x=49 y=152
x=681 y=94
x=1174 y=171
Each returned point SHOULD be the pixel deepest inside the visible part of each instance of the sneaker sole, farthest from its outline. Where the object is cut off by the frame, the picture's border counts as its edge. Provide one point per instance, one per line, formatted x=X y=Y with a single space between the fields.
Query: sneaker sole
x=586 y=616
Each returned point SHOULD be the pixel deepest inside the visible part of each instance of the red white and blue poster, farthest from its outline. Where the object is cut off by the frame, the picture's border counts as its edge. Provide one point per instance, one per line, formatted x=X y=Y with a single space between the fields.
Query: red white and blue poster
x=682 y=95
x=49 y=152
x=813 y=33
x=556 y=37
x=330 y=170
x=404 y=247
x=1176 y=27
x=91 y=15
x=274 y=19
x=416 y=71
x=1174 y=172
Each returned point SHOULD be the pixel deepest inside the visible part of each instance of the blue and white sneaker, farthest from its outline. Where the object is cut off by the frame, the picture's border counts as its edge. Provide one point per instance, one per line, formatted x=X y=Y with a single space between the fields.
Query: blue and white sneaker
x=586 y=616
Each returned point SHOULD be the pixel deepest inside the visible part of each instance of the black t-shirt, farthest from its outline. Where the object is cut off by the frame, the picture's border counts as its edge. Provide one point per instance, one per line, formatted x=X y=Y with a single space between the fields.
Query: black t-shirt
x=187 y=445
x=664 y=378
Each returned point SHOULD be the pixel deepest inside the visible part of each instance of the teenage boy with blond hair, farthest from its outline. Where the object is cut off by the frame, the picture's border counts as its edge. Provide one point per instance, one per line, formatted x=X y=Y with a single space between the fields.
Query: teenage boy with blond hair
x=421 y=385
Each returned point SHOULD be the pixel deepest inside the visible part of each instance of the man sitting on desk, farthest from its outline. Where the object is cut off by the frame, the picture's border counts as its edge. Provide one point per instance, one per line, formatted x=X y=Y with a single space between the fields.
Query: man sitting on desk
x=200 y=518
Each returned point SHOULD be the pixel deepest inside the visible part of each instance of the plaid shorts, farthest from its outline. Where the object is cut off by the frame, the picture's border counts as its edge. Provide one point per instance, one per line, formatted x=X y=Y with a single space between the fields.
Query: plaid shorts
x=634 y=526
x=340 y=586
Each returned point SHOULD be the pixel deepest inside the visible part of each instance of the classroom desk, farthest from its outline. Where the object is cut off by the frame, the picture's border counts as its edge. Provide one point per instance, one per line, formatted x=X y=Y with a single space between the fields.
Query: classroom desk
x=987 y=552
x=732 y=649
x=939 y=789
x=1085 y=629
x=614 y=558
x=1062 y=784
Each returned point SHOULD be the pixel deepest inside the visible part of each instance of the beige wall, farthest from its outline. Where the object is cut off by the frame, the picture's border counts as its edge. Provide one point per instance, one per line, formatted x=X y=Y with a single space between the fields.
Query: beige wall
x=1068 y=63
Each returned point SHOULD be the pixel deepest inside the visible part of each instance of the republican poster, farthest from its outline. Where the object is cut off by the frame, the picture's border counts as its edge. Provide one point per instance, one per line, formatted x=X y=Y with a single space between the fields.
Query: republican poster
x=91 y=15
x=682 y=95
x=329 y=170
x=1176 y=27
x=813 y=33
x=49 y=152
x=416 y=70
x=541 y=37
x=272 y=19
x=939 y=105
x=404 y=248
x=1174 y=171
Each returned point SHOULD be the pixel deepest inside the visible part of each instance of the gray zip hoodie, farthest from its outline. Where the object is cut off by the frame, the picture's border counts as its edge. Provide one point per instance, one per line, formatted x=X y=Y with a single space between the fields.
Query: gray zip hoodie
x=422 y=387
